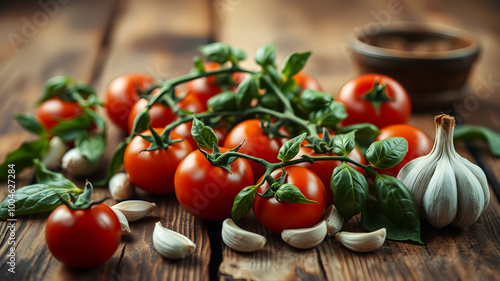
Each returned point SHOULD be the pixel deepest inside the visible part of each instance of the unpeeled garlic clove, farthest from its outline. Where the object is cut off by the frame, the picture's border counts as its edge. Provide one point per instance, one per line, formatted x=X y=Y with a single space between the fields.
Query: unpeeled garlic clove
x=135 y=209
x=334 y=221
x=123 y=222
x=239 y=239
x=362 y=242
x=171 y=244
x=76 y=164
x=120 y=187
x=53 y=157
x=305 y=238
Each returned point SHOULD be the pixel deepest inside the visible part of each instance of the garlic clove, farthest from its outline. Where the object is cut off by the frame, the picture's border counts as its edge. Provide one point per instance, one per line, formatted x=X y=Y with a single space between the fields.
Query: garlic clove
x=470 y=196
x=76 y=164
x=135 y=209
x=120 y=187
x=480 y=176
x=171 y=244
x=305 y=238
x=123 y=222
x=53 y=157
x=362 y=242
x=334 y=221
x=239 y=239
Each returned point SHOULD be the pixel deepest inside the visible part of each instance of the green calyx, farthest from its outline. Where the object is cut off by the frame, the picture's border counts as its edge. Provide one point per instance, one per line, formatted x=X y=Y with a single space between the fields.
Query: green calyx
x=83 y=201
x=159 y=141
x=377 y=95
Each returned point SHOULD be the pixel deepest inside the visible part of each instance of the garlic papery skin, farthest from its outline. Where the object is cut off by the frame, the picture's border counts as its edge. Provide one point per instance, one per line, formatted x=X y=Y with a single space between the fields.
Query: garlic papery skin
x=120 y=187
x=447 y=188
x=239 y=239
x=305 y=238
x=53 y=157
x=170 y=244
x=76 y=164
x=134 y=209
x=360 y=241
x=334 y=221
x=123 y=222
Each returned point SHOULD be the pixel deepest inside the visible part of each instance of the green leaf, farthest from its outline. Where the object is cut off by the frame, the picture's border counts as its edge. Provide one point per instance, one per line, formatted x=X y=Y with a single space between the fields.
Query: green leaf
x=311 y=100
x=294 y=63
x=290 y=148
x=217 y=52
x=50 y=178
x=141 y=121
x=471 y=132
x=97 y=120
x=350 y=190
x=387 y=153
x=243 y=202
x=343 y=144
x=247 y=90
x=265 y=55
x=198 y=65
x=115 y=163
x=363 y=131
x=329 y=116
x=237 y=55
x=23 y=156
x=291 y=194
x=91 y=146
x=30 y=123
x=203 y=135
x=55 y=86
x=397 y=205
x=224 y=101
x=71 y=129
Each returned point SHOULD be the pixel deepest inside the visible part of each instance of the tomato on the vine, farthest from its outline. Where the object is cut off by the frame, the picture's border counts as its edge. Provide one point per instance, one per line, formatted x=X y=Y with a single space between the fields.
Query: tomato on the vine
x=121 y=95
x=277 y=216
x=324 y=169
x=419 y=144
x=83 y=238
x=306 y=81
x=153 y=171
x=376 y=99
x=257 y=143
x=50 y=112
x=207 y=191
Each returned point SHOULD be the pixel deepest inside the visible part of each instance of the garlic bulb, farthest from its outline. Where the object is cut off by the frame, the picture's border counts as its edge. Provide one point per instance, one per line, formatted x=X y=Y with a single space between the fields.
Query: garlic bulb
x=447 y=188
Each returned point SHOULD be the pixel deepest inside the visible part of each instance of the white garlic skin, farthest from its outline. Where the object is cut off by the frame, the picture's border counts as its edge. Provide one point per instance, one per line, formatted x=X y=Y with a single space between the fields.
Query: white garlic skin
x=447 y=188
x=171 y=244
x=120 y=187
x=53 y=157
x=76 y=164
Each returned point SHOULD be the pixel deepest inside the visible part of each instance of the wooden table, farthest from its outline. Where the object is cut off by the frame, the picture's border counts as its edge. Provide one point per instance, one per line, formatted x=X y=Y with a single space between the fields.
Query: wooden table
x=96 y=41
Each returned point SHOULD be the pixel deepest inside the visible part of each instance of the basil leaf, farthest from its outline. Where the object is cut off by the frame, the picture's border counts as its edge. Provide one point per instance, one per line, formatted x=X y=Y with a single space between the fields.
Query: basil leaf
x=141 y=121
x=55 y=86
x=237 y=55
x=313 y=100
x=291 y=194
x=44 y=176
x=91 y=146
x=217 y=52
x=471 y=132
x=329 y=116
x=203 y=135
x=363 y=131
x=344 y=143
x=30 y=123
x=387 y=153
x=294 y=63
x=396 y=203
x=243 y=202
x=265 y=55
x=350 y=190
x=290 y=148
x=70 y=129
x=37 y=198
x=247 y=90
x=224 y=101
x=24 y=155
x=115 y=163
x=97 y=119
x=198 y=65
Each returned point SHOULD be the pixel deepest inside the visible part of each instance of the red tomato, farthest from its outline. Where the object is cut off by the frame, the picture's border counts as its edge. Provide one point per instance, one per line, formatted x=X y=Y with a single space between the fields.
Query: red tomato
x=153 y=171
x=324 y=169
x=83 y=238
x=307 y=82
x=280 y=215
x=51 y=111
x=207 y=191
x=419 y=144
x=256 y=144
x=394 y=106
x=162 y=115
x=204 y=88
x=122 y=94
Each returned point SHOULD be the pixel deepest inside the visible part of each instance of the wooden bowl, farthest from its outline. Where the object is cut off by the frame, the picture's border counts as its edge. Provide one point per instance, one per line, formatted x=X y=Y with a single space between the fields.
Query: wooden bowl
x=432 y=62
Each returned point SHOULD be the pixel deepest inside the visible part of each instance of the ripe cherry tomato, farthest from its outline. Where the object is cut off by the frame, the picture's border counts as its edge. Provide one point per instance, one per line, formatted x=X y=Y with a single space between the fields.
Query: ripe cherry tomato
x=205 y=87
x=122 y=94
x=162 y=115
x=306 y=81
x=83 y=238
x=362 y=95
x=51 y=111
x=324 y=169
x=208 y=191
x=257 y=143
x=153 y=171
x=419 y=144
x=280 y=215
